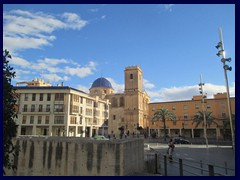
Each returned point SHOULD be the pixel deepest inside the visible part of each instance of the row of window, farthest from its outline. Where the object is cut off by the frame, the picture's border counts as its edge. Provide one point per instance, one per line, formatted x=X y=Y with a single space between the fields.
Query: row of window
x=94 y=112
x=58 y=96
x=73 y=120
x=185 y=117
x=88 y=102
x=57 y=120
x=76 y=98
x=57 y=108
x=185 y=107
x=40 y=120
x=60 y=108
x=97 y=91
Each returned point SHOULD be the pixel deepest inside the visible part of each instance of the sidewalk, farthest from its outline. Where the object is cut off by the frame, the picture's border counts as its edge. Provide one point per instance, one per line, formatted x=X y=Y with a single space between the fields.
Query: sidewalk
x=218 y=156
x=191 y=140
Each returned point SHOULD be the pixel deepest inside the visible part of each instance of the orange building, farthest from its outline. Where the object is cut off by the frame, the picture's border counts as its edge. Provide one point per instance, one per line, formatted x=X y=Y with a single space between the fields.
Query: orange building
x=185 y=111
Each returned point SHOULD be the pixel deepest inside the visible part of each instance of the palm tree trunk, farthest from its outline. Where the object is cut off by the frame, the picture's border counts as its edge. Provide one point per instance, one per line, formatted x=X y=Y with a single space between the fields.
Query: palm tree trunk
x=164 y=127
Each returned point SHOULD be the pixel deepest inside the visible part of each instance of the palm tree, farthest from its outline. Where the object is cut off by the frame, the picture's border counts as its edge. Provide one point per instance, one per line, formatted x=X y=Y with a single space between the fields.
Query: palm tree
x=199 y=118
x=163 y=114
x=226 y=124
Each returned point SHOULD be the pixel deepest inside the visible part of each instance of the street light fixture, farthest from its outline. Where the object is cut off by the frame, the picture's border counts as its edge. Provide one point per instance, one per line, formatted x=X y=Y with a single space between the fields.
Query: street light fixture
x=226 y=59
x=221 y=52
x=203 y=109
x=218 y=45
x=226 y=68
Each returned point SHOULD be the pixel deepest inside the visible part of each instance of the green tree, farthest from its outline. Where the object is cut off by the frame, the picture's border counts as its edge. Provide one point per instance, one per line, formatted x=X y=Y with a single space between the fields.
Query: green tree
x=9 y=113
x=199 y=119
x=163 y=114
x=226 y=122
x=226 y=125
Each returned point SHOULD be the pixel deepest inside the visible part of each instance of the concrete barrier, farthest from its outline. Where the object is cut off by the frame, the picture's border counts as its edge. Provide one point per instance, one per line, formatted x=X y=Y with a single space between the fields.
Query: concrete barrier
x=65 y=156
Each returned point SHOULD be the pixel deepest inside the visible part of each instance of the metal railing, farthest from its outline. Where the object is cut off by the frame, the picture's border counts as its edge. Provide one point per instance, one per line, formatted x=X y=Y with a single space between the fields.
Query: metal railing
x=159 y=163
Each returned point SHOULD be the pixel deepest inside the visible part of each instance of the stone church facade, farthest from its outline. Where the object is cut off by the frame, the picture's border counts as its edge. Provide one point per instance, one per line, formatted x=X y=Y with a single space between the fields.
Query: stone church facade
x=128 y=110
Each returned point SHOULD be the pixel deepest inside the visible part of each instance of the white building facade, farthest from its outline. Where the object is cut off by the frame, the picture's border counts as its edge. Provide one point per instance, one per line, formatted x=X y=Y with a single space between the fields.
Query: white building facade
x=60 y=111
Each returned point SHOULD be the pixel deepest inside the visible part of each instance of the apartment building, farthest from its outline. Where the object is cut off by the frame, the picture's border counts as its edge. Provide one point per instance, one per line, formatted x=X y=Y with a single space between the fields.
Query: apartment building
x=186 y=110
x=65 y=111
x=59 y=111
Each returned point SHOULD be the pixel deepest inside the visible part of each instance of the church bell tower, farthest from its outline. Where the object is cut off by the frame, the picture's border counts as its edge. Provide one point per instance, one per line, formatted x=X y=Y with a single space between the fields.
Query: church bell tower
x=133 y=98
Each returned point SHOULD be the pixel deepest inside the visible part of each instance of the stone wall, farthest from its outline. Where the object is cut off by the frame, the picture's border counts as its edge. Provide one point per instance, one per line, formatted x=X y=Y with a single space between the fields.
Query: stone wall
x=62 y=156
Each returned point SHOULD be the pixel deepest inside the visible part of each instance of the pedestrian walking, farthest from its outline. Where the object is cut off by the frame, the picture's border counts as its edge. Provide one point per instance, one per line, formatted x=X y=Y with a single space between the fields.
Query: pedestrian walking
x=170 y=150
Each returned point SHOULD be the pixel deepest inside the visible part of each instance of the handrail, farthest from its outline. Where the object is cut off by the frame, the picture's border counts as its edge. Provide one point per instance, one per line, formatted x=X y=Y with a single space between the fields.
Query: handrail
x=210 y=169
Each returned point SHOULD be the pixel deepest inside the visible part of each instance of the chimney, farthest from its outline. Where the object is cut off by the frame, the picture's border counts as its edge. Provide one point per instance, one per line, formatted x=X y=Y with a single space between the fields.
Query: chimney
x=62 y=83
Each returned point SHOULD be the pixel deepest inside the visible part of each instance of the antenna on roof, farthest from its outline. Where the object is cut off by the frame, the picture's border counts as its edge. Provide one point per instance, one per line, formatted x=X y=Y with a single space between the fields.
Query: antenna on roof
x=41 y=73
x=54 y=80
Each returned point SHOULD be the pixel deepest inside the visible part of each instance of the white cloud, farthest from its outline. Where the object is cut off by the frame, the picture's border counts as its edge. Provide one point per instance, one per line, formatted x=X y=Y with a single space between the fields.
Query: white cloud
x=92 y=65
x=103 y=17
x=118 y=88
x=187 y=92
x=212 y=89
x=83 y=88
x=81 y=71
x=17 y=43
x=66 y=78
x=74 y=21
x=24 y=23
x=52 y=61
x=232 y=90
x=147 y=84
x=94 y=10
x=53 y=78
x=20 y=73
x=53 y=66
x=19 y=62
x=25 y=29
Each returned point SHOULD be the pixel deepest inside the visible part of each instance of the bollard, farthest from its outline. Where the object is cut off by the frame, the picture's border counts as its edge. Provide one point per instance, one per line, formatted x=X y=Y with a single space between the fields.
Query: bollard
x=156 y=169
x=159 y=160
x=226 y=170
x=211 y=170
x=165 y=165
x=201 y=165
x=180 y=167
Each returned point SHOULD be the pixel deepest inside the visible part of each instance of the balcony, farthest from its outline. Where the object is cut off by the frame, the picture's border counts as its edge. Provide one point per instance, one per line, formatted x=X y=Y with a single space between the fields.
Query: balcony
x=75 y=113
x=58 y=111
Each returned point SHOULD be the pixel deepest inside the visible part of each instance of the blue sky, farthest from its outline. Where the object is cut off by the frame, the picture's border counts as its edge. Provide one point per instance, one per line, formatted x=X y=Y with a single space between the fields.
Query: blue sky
x=172 y=43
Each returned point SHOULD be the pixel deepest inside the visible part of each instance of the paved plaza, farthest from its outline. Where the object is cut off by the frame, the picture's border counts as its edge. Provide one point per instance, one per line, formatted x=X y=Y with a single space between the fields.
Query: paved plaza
x=218 y=156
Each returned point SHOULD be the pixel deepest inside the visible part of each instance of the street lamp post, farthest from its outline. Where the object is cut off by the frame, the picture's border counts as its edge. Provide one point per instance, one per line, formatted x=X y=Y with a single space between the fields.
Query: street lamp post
x=226 y=67
x=182 y=134
x=145 y=117
x=204 y=111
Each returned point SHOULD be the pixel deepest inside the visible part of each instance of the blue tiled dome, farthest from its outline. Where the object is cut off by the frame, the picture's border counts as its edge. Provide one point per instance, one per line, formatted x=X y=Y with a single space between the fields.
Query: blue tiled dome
x=101 y=82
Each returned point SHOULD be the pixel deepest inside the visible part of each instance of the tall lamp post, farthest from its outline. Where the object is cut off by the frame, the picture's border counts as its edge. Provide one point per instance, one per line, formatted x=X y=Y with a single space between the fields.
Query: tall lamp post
x=203 y=109
x=146 y=127
x=221 y=52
